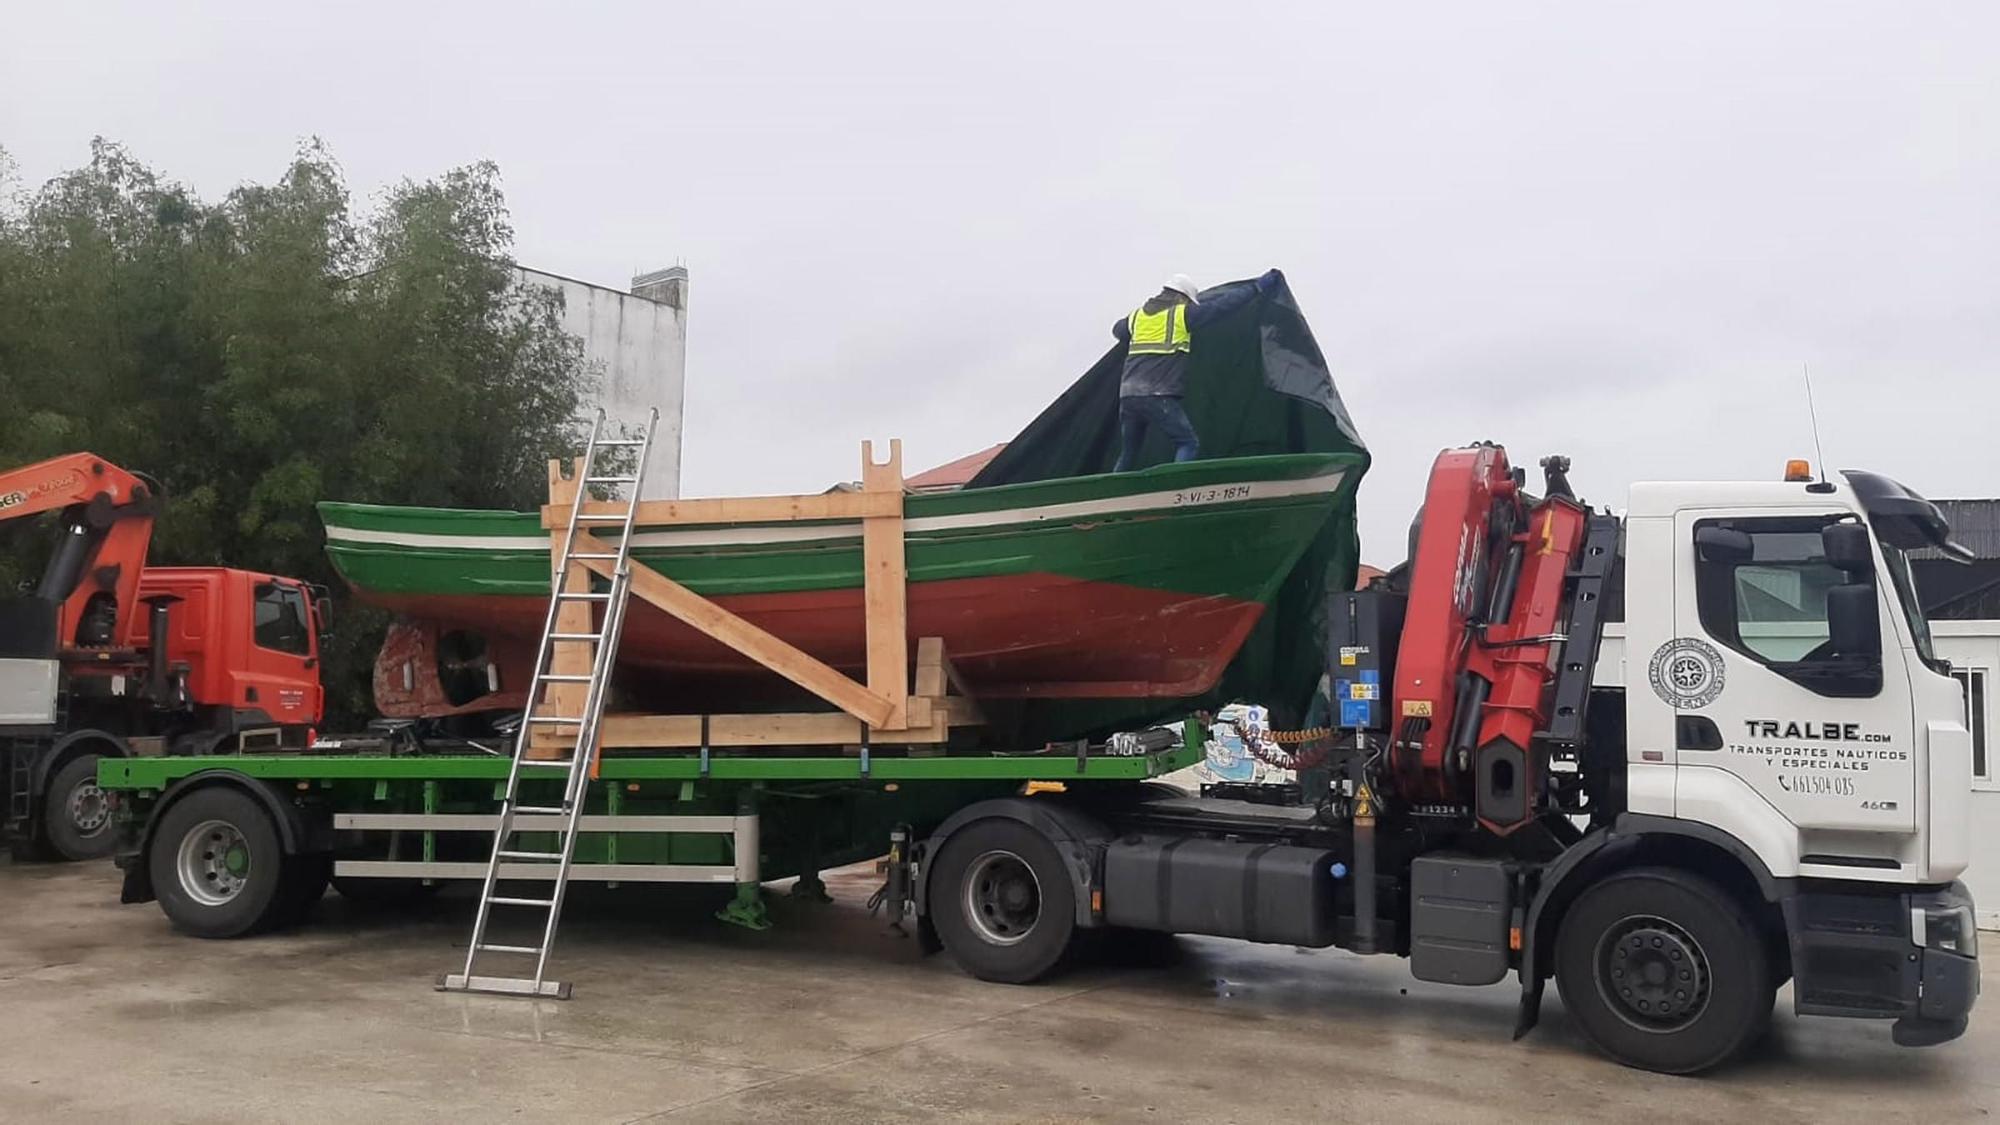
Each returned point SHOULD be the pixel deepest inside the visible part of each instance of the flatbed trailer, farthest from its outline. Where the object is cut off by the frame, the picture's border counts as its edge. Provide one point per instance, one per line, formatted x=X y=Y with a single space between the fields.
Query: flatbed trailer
x=1777 y=791
x=415 y=820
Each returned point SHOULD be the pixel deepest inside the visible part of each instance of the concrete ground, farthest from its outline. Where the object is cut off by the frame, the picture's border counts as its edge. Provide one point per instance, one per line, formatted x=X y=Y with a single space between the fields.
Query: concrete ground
x=107 y=1015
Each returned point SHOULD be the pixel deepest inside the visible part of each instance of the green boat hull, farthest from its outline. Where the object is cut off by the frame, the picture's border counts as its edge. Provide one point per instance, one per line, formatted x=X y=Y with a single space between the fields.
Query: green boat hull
x=1135 y=585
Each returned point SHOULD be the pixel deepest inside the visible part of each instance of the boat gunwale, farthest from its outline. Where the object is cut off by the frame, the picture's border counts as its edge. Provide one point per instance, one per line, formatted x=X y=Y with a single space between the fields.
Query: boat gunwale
x=344 y=519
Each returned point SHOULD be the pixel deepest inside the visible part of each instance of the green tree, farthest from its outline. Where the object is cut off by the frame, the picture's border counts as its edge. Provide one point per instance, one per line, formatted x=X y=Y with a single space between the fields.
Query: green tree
x=273 y=349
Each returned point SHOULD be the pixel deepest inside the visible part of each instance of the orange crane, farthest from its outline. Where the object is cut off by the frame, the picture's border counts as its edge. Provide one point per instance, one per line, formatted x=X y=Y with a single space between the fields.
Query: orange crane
x=221 y=659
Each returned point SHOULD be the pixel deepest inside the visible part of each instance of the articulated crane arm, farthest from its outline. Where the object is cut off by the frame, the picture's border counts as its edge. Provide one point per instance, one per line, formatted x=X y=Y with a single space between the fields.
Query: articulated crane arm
x=92 y=576
x=1495 y=657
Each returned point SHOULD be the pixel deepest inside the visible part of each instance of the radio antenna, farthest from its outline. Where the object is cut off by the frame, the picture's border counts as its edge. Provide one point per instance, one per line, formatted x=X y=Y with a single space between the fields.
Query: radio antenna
x=1812 y=412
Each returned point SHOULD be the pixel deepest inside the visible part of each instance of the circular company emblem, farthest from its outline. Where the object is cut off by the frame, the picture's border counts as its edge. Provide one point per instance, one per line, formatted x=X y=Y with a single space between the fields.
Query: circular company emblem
x=1687 y=673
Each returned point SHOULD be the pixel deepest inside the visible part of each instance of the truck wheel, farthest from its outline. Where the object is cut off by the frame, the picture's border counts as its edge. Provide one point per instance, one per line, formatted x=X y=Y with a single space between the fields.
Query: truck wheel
x=1003 y=903
x=217 y=866
x=76 y=814
x=1664 y=971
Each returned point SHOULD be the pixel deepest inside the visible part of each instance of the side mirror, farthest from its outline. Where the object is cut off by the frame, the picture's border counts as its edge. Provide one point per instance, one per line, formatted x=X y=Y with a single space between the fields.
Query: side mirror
x=323 y=611
x=1846 y=546
x=1723 y=545
x=1854 y=623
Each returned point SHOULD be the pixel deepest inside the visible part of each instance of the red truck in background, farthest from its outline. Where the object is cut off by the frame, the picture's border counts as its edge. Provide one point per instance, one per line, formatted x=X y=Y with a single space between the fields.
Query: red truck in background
x=108 y=657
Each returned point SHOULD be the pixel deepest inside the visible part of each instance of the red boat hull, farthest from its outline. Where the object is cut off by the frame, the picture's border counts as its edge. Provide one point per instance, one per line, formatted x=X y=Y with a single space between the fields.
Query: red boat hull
x=1016 y=636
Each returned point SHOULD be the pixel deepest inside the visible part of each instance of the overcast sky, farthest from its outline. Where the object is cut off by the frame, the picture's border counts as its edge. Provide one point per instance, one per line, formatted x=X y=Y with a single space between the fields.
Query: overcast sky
x=1610 y=230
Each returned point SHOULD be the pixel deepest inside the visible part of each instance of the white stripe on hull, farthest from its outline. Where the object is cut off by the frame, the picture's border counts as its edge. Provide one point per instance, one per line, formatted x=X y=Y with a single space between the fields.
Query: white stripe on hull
x=1208 y=496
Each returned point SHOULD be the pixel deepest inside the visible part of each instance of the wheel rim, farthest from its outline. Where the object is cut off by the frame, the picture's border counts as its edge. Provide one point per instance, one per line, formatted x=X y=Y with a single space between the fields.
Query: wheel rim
x=214 y=862
x=89 y=808
x=1653 y=973
x=1003 y=899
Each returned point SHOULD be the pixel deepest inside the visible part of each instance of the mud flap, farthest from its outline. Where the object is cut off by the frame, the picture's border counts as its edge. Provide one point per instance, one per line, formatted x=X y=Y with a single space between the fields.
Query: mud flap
x=1531 y=1002
x=138 y=884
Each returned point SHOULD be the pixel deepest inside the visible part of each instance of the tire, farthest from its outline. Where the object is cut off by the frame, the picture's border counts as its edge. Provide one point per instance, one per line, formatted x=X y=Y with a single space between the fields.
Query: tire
x=1664 y=970
x=218 y=868
x=76 y=816
x=1003 y=903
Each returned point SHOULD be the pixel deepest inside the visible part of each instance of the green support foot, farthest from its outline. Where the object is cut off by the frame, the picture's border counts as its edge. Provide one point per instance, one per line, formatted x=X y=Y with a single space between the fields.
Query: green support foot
x=810 y=888
x=746 y=909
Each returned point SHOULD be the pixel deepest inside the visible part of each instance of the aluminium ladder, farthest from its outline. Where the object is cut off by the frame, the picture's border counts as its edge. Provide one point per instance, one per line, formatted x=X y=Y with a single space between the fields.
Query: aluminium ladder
x=575 y=770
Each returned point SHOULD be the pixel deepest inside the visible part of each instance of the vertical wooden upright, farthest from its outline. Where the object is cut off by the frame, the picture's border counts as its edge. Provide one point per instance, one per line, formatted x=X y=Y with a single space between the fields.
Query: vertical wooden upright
x=883 y=586
x=566 y=658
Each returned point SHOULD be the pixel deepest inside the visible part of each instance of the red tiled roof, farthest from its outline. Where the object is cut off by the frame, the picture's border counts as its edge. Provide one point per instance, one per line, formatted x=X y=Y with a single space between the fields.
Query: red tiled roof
x=952 y=474
x=1367 y=574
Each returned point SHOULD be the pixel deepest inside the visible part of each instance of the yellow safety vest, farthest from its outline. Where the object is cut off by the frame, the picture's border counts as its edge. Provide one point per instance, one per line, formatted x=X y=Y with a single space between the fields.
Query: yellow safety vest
x=1161 y=333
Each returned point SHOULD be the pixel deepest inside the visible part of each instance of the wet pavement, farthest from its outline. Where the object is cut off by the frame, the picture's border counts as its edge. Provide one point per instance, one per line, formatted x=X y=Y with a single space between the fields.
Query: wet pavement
x=111 y=1016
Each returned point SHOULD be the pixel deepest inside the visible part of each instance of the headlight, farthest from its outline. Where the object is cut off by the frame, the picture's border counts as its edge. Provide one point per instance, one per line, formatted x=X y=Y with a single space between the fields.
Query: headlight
x=1950 y=928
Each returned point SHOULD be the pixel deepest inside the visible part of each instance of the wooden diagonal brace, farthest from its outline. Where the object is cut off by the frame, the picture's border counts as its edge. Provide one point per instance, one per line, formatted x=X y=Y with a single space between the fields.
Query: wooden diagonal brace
x=714 y=621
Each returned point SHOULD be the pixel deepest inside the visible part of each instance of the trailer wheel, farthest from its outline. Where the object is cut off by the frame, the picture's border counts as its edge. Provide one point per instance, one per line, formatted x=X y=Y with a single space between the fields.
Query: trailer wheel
x=1664 y=970
x=76 y=814
x=217 y=865
x=1003 y=903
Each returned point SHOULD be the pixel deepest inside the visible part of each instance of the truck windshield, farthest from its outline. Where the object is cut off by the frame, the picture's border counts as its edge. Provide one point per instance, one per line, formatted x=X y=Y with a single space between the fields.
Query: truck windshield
x=1903 y=521
x=1913 y=607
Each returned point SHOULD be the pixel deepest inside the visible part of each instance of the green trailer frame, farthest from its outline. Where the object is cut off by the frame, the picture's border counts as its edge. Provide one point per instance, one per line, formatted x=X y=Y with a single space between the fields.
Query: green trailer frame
x=737 y=818
x=155 y=774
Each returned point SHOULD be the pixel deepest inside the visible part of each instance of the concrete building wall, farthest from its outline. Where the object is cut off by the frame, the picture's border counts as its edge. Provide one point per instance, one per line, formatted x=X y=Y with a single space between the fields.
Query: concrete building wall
x=640 y=340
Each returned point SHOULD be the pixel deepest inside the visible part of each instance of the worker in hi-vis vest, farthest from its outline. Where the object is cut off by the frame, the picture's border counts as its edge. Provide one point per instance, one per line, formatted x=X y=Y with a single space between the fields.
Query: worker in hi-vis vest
x=1158 y=336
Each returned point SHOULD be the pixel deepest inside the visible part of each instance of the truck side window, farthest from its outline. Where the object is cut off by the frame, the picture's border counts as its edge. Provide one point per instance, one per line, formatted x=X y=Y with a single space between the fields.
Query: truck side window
x=281 y=619
x=1773 y=605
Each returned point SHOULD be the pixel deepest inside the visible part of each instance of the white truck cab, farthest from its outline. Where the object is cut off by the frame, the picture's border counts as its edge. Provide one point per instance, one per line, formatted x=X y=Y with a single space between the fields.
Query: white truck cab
x=1780 y=680
x=1782 y=698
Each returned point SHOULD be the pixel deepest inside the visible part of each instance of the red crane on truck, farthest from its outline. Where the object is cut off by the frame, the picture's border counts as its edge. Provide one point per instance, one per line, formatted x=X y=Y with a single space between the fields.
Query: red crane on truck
x=108 y=657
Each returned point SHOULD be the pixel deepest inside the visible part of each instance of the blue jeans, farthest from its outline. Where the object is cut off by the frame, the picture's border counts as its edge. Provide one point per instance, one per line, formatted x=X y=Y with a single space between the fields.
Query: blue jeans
x=1141 y=412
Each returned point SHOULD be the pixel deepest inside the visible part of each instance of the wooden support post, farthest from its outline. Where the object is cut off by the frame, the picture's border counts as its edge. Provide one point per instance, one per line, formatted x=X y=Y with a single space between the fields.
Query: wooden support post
x=936 y=680
x=567 y=658
x=885 y=585
x=930 y=667
x=927 y=701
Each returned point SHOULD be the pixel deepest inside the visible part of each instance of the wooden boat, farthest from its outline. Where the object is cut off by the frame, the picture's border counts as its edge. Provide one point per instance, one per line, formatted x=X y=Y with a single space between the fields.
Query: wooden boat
x=1115 y=586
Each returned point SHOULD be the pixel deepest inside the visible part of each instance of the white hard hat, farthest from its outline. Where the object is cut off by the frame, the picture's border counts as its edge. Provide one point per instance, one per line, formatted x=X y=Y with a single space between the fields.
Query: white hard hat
x=1183 y=284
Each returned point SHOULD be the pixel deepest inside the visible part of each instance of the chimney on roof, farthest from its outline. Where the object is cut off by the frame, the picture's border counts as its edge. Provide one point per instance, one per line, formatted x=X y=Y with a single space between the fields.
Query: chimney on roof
x=668 y=287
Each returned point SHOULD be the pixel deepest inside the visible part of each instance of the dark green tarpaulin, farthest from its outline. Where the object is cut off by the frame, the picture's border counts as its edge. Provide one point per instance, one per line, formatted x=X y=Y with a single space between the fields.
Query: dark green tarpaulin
x=1257 y=383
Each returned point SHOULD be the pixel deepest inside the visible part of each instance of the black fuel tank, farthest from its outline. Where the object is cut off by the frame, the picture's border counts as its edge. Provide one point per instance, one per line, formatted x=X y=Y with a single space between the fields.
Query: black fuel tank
x=1261 y=892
